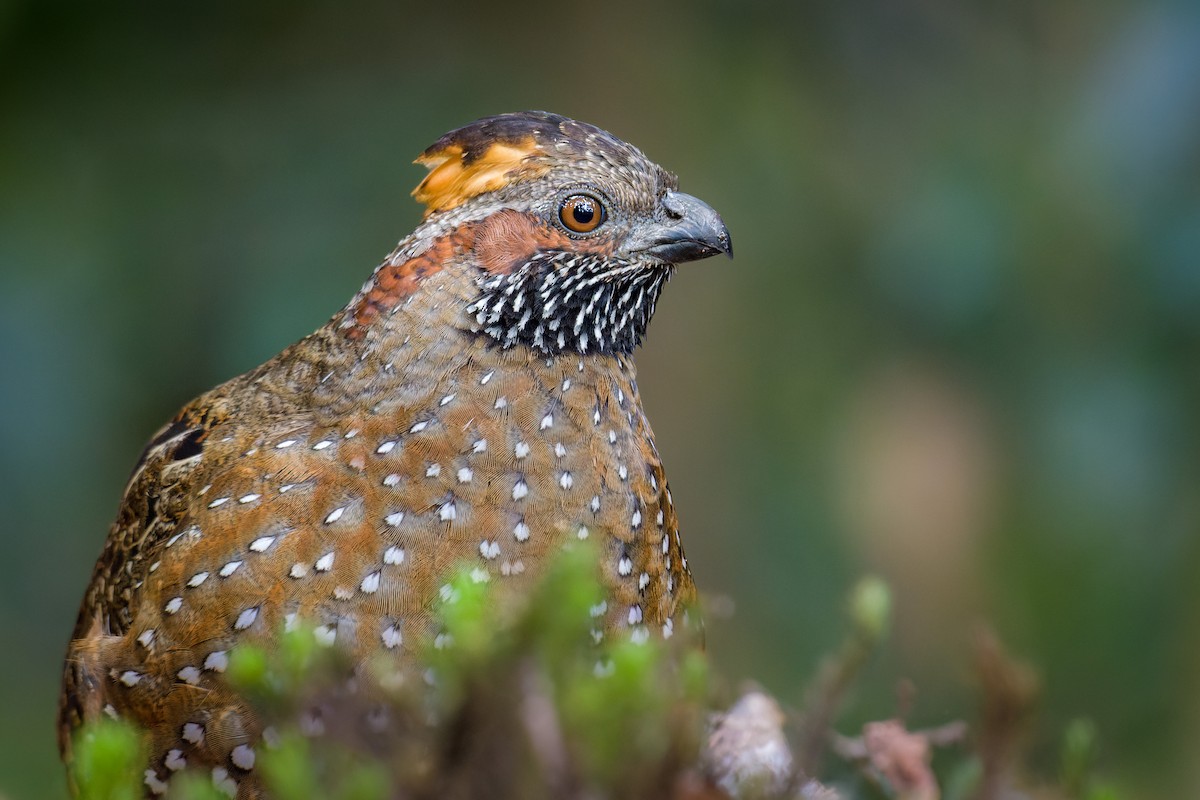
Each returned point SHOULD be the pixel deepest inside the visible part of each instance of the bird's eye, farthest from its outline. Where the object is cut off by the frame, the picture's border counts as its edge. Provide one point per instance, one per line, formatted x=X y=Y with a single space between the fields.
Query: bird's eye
x=581 y=213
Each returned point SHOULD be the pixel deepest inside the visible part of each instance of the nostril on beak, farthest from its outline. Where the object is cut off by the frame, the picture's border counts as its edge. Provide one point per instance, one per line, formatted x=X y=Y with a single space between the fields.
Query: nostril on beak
x=672 y=205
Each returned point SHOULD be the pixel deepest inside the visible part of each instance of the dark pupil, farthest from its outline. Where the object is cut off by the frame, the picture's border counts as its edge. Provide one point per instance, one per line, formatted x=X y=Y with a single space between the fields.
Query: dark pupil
x=583 y=212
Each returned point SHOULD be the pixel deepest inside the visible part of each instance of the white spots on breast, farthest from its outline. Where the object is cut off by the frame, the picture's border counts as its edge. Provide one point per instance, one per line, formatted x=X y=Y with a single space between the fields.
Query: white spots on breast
x=639 y=635
x=393 y=555
x=479 y=446
x=433 y=470
x=489 y=549
x=224 y=783
x=392 y=638
x=197 y=579
x=666 y=544
x=130 y=677
x=370 y=584
x=447 y=400
x=189 y=675
x=173 y=605
x=385 y=448
x=298 y=570
x=521 y=532
x=465 y=474
x=290 y=621
x=154 y=784
x=521 y=450
x=392 y=480
x=448 y=511
x=418 y=427
x=146 y=639
x=311 y=724
x=635 y=615
x=285 y=444
x=324 y=443
x=220 y=501
x=335 y=515
x=658 y=519
x=670 y=583
x=261 y=544
x=598 y=610
x=582 y=533
x=566 y=384
x=192 y=733
x=636 y=519
x=229 y=569
x=512 y=567
x=612 y=436
x=287 y=487
x=216 y=661
x=326 y=635
x=175 y=760
x=595 y=504
x=547 y=421
x=520 y=490
x=559 y=449
x=643 y=581
x=242 y=757
x=111 y=712
x=487 y=376
x=479 y=575
x=501 y=402
x=596 y=417
x=566 y=481
x=394 y=519
x=624 y=566
x=155 y=566
x=248 y=498
x=350 y=434
x=246 y=619
x=324 y=563
x=622 y=472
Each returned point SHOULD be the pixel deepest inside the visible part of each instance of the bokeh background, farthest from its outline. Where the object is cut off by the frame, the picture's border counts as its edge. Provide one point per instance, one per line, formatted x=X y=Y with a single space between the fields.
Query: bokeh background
x=958 y=346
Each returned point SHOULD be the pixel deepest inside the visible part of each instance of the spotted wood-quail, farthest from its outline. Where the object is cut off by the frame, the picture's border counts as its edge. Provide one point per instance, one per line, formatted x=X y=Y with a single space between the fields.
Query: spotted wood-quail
x=475 y=400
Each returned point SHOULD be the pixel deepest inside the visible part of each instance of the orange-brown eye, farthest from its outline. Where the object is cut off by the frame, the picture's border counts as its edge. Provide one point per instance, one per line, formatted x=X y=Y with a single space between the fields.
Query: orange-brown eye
x=581 y=213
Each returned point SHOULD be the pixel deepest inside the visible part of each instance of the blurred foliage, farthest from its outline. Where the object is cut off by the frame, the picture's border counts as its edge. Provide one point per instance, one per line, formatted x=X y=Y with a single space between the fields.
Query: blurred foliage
x=958 y=347
x=518 y=698
x=510 y=700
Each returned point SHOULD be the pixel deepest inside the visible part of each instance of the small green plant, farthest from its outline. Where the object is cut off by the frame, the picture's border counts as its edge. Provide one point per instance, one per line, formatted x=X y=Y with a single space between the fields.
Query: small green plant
x=109 y=757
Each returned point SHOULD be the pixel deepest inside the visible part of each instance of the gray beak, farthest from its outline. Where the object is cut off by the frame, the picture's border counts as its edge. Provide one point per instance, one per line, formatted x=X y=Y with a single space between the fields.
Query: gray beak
x=689 y=230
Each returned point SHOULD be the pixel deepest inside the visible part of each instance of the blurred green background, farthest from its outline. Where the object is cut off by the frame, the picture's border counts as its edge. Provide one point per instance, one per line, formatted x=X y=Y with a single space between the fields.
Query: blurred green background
x=958 y=345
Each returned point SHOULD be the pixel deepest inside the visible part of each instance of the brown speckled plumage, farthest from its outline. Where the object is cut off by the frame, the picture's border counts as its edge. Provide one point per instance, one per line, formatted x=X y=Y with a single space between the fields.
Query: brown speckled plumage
x=340 y=481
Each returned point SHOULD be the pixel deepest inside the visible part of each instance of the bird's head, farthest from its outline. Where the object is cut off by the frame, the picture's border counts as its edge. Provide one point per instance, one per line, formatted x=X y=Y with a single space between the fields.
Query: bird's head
x=571 y=232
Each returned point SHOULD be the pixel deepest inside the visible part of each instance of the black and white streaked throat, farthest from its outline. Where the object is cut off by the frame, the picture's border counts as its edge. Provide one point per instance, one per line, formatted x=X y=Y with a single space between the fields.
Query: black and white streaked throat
x=588 y=302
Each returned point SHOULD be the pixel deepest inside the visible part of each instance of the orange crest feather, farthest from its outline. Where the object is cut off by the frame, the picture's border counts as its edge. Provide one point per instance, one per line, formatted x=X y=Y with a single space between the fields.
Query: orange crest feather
x=456 y=176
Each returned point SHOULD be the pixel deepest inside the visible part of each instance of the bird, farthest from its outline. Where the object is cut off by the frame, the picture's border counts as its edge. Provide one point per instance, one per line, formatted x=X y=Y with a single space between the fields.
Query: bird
x=475 y=402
